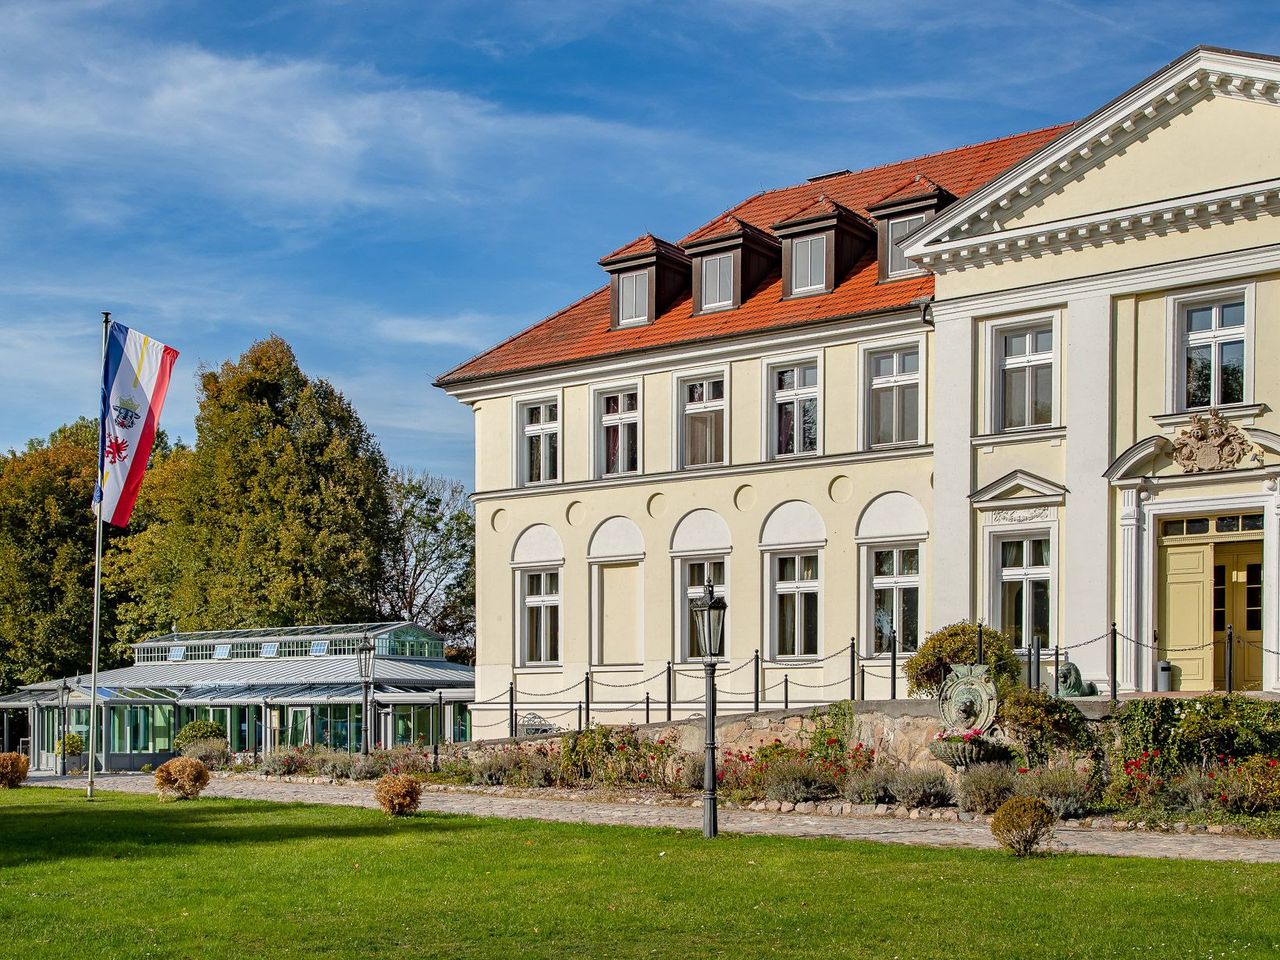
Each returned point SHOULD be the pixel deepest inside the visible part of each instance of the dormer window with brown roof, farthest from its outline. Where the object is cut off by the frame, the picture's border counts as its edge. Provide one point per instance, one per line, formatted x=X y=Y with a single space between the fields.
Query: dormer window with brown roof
x=645 y=277
x=731 y=258
x=901 y=212
x=821 y=242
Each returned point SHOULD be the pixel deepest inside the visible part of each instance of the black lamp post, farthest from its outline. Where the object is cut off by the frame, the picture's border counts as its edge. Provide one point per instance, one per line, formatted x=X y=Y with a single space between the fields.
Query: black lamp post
x=364 y=657
x=709 y=613
x=64 y=697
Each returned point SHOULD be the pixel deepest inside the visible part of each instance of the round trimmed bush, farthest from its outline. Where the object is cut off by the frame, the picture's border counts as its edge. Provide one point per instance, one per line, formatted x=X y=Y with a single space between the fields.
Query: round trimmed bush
x=183 y=778
x=398 y=794
x=958 y=643
x=13 y=770
x=198 y=730
x=75 y=745
x=1022 y=825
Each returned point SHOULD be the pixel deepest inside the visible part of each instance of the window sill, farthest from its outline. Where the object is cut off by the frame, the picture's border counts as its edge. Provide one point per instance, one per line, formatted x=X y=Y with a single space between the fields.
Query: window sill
x=1232 y=411
x=533 y=668
x=808 y=454
x=620 y=476
x=1020 y=435
x=802 y=294
x=539 y=483
x=794 y=660
x=890 y=447
x=616 y=667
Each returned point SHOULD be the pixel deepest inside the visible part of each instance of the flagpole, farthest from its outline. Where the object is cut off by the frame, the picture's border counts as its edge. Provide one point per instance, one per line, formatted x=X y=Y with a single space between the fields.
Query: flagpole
x=97 y=596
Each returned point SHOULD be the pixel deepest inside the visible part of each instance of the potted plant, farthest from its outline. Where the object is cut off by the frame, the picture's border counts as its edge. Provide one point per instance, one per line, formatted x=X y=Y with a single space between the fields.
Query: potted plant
x=964 y=748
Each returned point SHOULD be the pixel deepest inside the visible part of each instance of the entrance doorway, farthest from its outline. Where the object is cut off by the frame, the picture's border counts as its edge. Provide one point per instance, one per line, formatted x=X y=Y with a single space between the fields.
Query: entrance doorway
x=1211 y=592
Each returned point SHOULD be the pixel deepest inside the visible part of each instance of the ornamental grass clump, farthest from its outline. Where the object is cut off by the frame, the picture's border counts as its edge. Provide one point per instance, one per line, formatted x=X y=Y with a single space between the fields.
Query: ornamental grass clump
x=922 y=788
x=213 y=753
x=13 y=770
x=1065 y=790
x=796 y=780
x=1022 y=825
x=198 y=730
x=874 y=784
x=984 y=787
x=398 y=794
x=182 y=778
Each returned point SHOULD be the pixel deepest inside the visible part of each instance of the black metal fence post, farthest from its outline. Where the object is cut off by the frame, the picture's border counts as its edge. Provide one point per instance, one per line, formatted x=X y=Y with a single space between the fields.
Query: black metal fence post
x=670 y=690
x=1056 y=651
x=755 y=682
x=979 y=643
x=786 y=692
x=853 y=668
x=511 y=708
x=586 y=684
x=646 y=706
x=893 y=666
x=1035 y=656
x=1115 y=659
x=579 y=716
x=862 y=681
x=1231 y=658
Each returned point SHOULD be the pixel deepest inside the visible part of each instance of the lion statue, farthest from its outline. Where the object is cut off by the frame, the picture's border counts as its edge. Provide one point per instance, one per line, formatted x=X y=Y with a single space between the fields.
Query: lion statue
x=1072 y=684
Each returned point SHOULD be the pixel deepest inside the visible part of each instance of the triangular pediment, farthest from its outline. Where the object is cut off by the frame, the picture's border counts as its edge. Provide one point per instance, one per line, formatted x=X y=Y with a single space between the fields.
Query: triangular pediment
x=1019 y=487
x=1195 y=142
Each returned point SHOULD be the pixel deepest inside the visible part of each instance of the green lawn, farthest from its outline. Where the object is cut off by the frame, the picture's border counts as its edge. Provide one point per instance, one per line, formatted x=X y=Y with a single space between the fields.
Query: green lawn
x=127 y=876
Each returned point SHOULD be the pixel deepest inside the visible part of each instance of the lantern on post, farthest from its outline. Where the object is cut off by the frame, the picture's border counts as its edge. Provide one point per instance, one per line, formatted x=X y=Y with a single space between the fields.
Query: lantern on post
x=64 y=697
x=364 y=659
x=709 y=613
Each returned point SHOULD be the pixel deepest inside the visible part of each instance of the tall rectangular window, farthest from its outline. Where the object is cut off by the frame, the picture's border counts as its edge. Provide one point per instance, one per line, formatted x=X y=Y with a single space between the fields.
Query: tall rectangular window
x=702 y=421
x=696 y=573
x=620 y=432
x=794 y=409
x=796 y=599
x=895 y=591
x=808 y=264
x=1025 y=591
x=540 y=628
x=894 y=402
x=898 y=229
x=540 y=441
x=1213 y=347
x=717 y=281
x=633 y=298
x=1026 y=377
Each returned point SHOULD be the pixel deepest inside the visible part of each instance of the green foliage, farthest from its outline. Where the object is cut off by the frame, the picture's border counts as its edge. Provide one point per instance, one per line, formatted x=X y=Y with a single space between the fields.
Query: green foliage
x=874 y=784
x=796 y=779
x=1042 y=724
x=1193 y=789
x=1202 y=730
x=983 y=787
x=607 y=756
x=537 y=765
x=75 y=745
x=1066 y=791
x=1251 y=786
x=922 y=788
x=214 y=753
x=1022 y=824
x=198 y=730
x=835 y=729
x=958 y=643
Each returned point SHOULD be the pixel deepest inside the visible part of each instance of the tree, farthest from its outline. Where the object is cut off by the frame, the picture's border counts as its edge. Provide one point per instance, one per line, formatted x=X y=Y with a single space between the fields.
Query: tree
x=277 y=516
x=428 y=569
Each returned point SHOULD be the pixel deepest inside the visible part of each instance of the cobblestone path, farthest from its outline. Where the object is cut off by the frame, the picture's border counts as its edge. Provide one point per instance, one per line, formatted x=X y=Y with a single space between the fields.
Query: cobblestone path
x=877 y=829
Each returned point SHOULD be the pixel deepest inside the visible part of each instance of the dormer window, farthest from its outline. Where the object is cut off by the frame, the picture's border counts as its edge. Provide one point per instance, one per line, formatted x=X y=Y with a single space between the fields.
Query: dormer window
x=717 y=281
x=809 y=264
x=633 y=296
x=898 y=229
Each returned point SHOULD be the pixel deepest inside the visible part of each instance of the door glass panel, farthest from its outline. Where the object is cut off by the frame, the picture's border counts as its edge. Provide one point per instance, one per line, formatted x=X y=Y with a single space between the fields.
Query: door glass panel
x=883 y=620
x=1219 y=597
x=910 y=617
x=1227 y=524
x=1040 y=613
x=1253 y=596
x=787 y=624
x=1011 y=612
x=1198 y=525
x=1232 y=373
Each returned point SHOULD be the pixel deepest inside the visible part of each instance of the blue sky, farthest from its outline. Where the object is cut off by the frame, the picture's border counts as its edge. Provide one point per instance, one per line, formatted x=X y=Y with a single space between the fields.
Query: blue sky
x=393 y=186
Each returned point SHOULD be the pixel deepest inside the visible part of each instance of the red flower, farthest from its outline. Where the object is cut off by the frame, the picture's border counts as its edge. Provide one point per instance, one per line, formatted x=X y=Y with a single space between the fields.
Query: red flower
x=832 y=741
x=1223 y=798
x=1272 y=763
x=1023 y=770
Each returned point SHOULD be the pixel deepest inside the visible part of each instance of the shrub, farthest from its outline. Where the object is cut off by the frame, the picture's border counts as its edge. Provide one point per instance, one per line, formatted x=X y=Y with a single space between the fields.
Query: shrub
x=795 y=781
x=611 y=755
x=871 y=785
x=398 y=794
x=198 y=730
x=984 y=787
x=75 y=745
x=1022 y=824
x=1041 y=724
x=1137 y=784
x=13 y=770
x=182 y=777
x=922 y=788
x=1064 y=790
x=958 y=643
x=212 y=753
x=1252 y=786
x=334 y=764
x=495 y=768
x=1193 y=789
x=689 y=770
x=1202 y=730
x=285 y=763
x=146 y=768
x=369 y=768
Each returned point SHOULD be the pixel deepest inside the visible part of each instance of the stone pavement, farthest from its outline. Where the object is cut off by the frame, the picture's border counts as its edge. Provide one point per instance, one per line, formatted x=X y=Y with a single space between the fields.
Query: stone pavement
x=879 y=829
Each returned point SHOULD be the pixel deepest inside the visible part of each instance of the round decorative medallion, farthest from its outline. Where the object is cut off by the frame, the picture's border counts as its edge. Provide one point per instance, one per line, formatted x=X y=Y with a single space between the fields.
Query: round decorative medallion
x=744 y=498
x=498 y=521
x=573 y=513
x=657 y=505
x=967 y=700
x=840 y=489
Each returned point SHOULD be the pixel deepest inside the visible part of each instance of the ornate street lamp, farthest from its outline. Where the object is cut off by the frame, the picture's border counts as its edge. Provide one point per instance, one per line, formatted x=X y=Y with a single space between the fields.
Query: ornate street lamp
x=364 y=658
x=709 y=611
x=64 y=697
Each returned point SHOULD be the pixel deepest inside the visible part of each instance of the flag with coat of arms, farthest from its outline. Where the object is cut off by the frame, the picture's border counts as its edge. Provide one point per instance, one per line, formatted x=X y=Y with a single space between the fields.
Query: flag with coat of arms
x=135 y=379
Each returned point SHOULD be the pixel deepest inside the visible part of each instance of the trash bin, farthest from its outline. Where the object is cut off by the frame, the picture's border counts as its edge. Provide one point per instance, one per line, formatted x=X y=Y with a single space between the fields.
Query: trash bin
x=1164 y=679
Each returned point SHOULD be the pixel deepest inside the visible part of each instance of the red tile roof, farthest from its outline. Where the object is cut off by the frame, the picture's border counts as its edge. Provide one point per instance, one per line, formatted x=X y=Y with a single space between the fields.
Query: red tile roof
x=726 y=226
x=582 y=331
x=822 y=206
x=916 y=186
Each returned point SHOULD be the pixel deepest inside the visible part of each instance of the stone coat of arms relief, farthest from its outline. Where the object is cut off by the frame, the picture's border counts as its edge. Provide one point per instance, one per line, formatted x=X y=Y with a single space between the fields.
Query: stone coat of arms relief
x=1210 y=443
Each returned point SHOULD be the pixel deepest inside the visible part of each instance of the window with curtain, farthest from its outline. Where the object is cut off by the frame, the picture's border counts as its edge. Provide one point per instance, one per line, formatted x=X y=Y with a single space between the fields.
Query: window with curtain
x=540 y=426
x=893 y=403
x=695 y=577
x=796 y=600
x=620 y=432
x=1213 y=354
x=702 y=421
x=895 y=592
x=1026 y=377
x=540 y=627
x=1025 y=591
x=795 y=409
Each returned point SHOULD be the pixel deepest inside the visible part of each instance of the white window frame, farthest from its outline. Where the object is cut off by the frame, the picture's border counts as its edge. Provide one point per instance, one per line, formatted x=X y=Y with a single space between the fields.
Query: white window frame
x=1176 y=308
x=601 y=421
x=911 y=269
x=523 y=431
x=994 y=369
x=685 y=592
x=770 y=418
x=775 y=588
x=680 y=406
x=997 y=537
x=642 y=303
x=819 y=240
x=893 y=382
x=524 y=601
x=896 y=583
x=727 y=295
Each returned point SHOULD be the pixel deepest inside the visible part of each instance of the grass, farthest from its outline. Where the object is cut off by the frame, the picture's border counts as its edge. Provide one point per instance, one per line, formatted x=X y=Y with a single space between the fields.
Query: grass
x=130 y=877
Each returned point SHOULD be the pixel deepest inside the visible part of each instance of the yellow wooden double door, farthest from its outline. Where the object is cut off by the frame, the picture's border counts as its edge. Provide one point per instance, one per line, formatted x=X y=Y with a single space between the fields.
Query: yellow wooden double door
x=1206 y=590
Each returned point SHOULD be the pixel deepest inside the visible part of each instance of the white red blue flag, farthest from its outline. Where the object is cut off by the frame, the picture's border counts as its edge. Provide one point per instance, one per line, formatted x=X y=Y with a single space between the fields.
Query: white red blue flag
x=135 y=379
